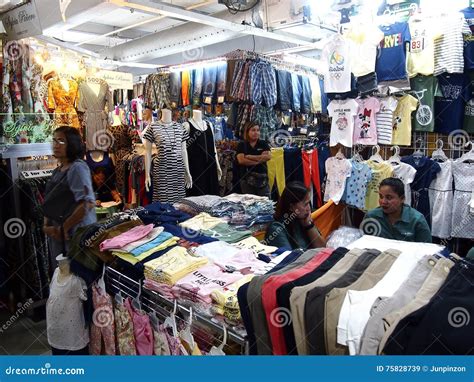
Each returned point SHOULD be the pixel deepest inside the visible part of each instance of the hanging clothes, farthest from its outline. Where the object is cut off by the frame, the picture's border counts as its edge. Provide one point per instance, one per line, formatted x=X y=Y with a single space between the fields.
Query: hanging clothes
x=463 y=220
x=338 y=171
x=441 y=201
x=311 y=173
x=276 y=169
x=202 y=160
x=168 y=168
x=64 y=101
x=93 y=106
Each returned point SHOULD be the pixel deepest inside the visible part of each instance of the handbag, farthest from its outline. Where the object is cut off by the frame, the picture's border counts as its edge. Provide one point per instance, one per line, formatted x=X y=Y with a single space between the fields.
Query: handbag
x=257 y=180
x=59 y=202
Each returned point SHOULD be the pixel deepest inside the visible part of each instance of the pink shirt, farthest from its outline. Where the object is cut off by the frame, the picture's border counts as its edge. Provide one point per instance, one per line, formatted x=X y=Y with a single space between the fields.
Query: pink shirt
x=269 y=297
x=203 y=281
x=365 y=130
x=243 y=261
x=141 y=330
x=136 y=233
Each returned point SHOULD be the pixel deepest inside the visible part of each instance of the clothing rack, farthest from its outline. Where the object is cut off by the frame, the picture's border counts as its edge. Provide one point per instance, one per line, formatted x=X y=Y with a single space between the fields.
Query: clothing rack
x=153 y=302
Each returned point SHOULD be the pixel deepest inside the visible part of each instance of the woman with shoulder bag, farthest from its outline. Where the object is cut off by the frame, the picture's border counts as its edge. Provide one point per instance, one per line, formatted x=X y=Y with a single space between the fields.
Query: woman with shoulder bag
x=252 y=155
x=69 y=198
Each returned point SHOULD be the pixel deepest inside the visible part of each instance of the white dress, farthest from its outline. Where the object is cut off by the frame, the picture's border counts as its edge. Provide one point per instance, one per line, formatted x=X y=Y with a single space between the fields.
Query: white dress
x=463 y=220
x=66 y=326
x=441 y=201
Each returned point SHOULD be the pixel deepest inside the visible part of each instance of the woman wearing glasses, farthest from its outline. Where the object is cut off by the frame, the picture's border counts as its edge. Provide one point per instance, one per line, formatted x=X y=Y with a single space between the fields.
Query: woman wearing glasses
x=69 y=198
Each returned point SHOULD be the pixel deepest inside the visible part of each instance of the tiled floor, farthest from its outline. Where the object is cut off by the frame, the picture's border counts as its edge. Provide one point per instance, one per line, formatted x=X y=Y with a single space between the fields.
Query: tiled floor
x=22 y=336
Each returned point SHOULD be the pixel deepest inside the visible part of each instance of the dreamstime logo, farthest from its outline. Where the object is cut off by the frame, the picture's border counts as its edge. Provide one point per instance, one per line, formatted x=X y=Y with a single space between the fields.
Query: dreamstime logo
x=103 y=317
x=279 y=138
x=14 y=228
x=13 y=50
x=103 y=140
x=189 y=234
x=280 y=317
x=458 y=317
x=4 y=148
x=193 y=54
x=457 y=139
x=21 y=309
x=371 y=226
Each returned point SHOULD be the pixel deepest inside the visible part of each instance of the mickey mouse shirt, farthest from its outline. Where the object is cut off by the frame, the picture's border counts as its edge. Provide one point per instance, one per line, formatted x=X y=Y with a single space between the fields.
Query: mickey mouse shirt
x=342 y=125
x=365 y=131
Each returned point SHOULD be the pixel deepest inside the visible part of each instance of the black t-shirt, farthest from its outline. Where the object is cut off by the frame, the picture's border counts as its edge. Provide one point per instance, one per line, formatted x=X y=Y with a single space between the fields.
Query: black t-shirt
x=245 y=148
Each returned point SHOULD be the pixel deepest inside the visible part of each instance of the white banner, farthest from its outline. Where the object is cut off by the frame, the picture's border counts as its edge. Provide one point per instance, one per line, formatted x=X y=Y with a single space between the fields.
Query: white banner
x=22 y=22
x=116 y=80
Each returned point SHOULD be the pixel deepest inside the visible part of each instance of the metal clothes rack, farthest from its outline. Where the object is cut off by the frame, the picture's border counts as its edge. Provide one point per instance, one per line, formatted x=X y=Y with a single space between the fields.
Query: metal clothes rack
x=153 y=302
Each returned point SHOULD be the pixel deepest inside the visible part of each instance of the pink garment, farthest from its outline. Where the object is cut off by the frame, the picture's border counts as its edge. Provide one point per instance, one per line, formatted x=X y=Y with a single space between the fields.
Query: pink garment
x=365 y=129
x=141 y=329
x=163 y=289
x=243 y=261
x=203 y=281
x=103 y=324
x=136 y=233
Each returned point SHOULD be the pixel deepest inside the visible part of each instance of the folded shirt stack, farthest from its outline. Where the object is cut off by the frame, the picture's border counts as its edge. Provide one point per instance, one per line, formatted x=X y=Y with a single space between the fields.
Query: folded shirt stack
x=120 y=241
x=172 y=266
x=201 y=222
x=227 y=233
x=225 y=302
x=139 y=255
x=148 y=238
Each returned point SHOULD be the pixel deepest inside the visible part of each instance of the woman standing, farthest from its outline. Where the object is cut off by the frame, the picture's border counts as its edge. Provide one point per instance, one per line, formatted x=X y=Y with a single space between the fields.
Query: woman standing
x=69 y=199
x=252 y=155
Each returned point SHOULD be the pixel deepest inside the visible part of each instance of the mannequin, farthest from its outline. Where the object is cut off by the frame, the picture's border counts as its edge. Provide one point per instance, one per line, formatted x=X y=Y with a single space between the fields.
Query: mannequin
x=66 y=327
x=169 y=135
x=201 y=145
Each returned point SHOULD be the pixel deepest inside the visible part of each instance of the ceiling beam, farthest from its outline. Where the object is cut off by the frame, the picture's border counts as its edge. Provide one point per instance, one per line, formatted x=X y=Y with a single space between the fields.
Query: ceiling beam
x=152 y=7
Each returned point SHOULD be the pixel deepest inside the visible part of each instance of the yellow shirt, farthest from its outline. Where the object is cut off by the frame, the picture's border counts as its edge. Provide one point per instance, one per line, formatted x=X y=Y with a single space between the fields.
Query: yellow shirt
x=402 y=120
x=421 y=53
x=133 y=260
x=227 y=297
x=253 y=244
x=380 y=171
x=316 y=104
x=202 y=221
x=172 y=266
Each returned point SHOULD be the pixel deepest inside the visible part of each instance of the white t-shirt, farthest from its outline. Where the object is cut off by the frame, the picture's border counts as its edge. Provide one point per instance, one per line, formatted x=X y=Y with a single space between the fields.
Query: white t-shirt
x=337 y=170
x=421 y=52
x=406 y=174
x=65 y=323
x=342 y=126
x=336 y=55
x=385 y=120
x=364 y=40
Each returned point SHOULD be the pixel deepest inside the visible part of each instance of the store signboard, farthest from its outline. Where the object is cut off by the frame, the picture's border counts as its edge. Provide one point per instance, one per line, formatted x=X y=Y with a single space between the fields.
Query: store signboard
x=22 y=22
x=116 y=80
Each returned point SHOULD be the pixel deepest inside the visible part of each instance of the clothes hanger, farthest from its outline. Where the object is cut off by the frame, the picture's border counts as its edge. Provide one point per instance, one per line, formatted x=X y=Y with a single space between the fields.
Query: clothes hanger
x=136 y=301
x=356 y=157
x=395 y=158
x=419 y=153
x=438 y=154
x=154 y=319
x=219 y=350
x=101 y=281
x=469 y=156
x=186 y=334
x=376 y=157
x=170 y=321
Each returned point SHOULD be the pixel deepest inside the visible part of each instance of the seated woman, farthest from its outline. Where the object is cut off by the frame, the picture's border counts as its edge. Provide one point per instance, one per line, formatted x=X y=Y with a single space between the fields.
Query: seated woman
x=104 y=187
x=394 y=219
x=293 y=227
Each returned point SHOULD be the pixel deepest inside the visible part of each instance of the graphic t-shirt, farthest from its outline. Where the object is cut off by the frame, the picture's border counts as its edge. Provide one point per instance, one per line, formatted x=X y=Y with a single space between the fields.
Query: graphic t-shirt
x=426 y=170
x=342 y=125
x=449 y=102
x=424 y=88
x=402 y=120
x=449 y=48
x=391 y=62
x=406 y=174
x=380 y=171
x=356 y=185
x=469 y=108
x=336 y=55
x=421 y=51
x=338 y=170
x=469 y=39
x=384 y=120
x=365 y=130
x=364 y=40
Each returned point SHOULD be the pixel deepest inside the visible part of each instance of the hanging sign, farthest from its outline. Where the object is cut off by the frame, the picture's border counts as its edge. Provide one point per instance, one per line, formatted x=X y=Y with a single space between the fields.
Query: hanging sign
x=116 y=80
x=22 y=22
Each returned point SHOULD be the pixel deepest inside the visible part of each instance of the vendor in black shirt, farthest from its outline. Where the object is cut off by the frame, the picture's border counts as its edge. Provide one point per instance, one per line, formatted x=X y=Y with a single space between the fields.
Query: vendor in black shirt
x=252 y=155
x=104 y=187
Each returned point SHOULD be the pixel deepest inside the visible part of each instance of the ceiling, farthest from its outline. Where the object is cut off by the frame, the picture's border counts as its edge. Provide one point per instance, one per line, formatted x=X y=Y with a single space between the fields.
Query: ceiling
x=172 y=31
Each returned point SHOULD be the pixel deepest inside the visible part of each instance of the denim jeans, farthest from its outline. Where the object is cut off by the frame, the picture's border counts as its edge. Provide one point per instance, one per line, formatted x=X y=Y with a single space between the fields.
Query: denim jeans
x=175 y=89
x=198 y=77
x=221 y=82
x=305 y=94
x=284 y=90
x=296 y=91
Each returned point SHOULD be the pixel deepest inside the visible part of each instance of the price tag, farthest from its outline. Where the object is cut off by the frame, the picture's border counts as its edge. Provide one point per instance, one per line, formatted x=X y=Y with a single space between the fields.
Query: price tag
x=312 y=134
x=220 y=99
x=303 y=130
x=290 y=129
x=208 y=100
